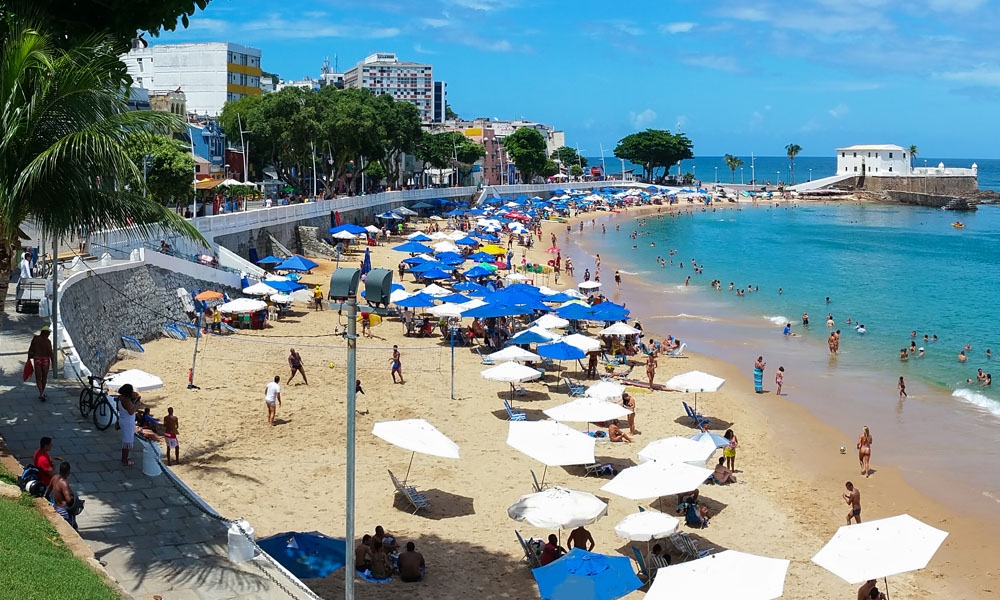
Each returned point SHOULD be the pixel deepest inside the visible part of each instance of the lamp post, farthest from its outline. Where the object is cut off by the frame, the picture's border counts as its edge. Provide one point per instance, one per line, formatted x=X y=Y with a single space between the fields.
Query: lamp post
x=245 y=146
x=778 y=180
x=741 y=176
x=810 y=174
x=694 y=174
x=716 y=174
x=146 y=159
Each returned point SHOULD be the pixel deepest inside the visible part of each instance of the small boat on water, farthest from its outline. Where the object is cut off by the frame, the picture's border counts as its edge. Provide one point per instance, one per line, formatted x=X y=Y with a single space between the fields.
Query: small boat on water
x=958 y=225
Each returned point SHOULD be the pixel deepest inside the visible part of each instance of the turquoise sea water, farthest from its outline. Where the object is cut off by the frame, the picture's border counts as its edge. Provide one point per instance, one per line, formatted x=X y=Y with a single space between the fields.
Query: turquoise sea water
x=896 y=269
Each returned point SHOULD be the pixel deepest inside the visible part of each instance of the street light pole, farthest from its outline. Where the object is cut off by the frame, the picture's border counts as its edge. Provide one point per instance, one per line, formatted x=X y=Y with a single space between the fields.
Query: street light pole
x=742 y=182
x=810 y=174
x=716 y=174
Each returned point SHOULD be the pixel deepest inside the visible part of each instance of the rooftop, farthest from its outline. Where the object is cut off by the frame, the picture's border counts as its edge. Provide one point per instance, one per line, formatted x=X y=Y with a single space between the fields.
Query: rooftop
x=868 y=147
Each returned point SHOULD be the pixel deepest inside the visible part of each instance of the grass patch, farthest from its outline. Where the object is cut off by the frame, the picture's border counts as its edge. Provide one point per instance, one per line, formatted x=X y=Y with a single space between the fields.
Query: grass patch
x=34 y=562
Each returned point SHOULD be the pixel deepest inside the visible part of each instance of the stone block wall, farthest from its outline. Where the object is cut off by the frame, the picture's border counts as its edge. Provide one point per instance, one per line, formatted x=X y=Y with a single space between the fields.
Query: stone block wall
x=98 y=310
x=946 y=186
x=311 y=244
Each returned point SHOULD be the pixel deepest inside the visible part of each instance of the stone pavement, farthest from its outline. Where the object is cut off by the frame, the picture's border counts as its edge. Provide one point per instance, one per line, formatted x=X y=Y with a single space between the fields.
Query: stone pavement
x=149 y=536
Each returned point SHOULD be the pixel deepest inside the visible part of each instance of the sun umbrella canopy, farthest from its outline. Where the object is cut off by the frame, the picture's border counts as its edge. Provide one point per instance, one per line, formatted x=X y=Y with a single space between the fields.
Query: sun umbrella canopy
x=587 y=410
x=270 y=260
x=654 y=479
x=390 y=216
x=281 y=298
x=587 y=344
x=551 y=443
x=510 y=372
x=709 y=437
x=209 y=295
x=435 y=290
x=419 y=236
x=259 y=289
x=589 y=285
x=344 y=235
x=646 y=526
x=515 y=353
x=402 y=210
x=349 y=228
x=413 y=248
x=880 y=548
x=284 y=285
x=605 y=390
x=619 y=329
x=560 y=351
x=141 y=381
x=296 y=263
x=695 y=381
x=550 y=321
x=446 y=310
x=435 y=274
x=420 y=300
x=493 y=249
x=586 y=575
x=416 y=435
x=676 y=449
x=732 y=575
x=306 y=555
x=533 y=335
x=558 y=508
x=243 y=305
x=455 y=298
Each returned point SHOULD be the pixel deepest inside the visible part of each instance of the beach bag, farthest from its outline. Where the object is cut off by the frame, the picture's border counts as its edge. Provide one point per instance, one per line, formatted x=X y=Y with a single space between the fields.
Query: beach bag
x=29 y=481
x=29 y=370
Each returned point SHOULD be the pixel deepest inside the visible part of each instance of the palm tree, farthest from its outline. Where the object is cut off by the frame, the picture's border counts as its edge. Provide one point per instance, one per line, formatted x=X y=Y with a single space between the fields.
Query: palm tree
x=914 y=151
x=733 y=163
x=64 y=139
x=792 y=150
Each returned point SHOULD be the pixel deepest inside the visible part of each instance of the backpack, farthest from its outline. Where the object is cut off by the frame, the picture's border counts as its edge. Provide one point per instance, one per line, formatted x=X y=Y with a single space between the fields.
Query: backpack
x=29 y=481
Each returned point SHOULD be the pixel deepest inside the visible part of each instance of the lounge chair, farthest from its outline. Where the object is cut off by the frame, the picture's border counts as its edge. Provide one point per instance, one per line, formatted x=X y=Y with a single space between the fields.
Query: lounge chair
x=678 y=352
x=699 y=420
x=529 y=555
x=191 y=329
x=130 y=343
x=534 y=482
x=599 y=469
x=687 y=547
x=514 y=415
x=415 y=498
x=225 y=328
x=575 y=389
x=486 y=360
x=641 y=563
x=172 y=331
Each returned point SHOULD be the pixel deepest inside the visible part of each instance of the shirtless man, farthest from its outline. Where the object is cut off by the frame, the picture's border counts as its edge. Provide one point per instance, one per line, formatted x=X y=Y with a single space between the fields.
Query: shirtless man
x=170 y=435
x=722 y=474
x=62 y=496
x=615 y=433
x=580 y=538
x=295 y=364
x=363 y=554
x=853 y=498
x=869 y=591
x=411 y=563
x=832 y=343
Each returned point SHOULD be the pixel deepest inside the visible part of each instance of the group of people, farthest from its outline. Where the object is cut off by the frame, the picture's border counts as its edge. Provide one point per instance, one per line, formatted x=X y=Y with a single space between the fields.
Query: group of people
x=378 y=557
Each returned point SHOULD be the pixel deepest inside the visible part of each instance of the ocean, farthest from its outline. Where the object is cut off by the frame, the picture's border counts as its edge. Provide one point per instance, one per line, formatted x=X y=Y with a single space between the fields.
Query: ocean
x=895 y=269
x=777 y=168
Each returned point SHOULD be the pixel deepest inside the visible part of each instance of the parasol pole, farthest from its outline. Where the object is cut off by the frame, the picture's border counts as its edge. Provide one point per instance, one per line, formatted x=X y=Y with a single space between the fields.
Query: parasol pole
x=194 y=359
x=407 y=476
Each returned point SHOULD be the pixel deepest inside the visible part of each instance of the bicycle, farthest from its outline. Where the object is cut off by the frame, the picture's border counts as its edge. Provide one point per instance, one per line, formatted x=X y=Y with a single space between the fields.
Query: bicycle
x=94 y=398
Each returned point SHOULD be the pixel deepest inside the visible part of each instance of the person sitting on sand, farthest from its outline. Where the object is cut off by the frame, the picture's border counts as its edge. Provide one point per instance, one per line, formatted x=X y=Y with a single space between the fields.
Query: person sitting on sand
x=411 y=564
x=615 y=434
x=722 y=474
x=581 y=538
x=388 y=540
x=695 y=515
x=869 y=591
x=381 y=567
x=363 y=554
x=551 y=551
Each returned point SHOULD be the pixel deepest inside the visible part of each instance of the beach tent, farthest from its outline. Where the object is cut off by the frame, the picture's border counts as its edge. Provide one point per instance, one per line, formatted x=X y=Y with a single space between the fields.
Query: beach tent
x=416 y=435
x=296 y=263
x=587 y=410
x=732 y=574
x=141 y=381
x=551 y=443
x=603 y=577
x=514 y=353
x=306 y=555
x=655 y=479
x=676 y=449
x=558 y=508
x=646 y=526
x=694 y=382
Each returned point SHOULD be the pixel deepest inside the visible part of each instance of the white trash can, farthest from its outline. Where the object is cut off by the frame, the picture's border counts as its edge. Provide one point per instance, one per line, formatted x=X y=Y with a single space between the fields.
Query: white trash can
x=150 y=467
x=240 y=548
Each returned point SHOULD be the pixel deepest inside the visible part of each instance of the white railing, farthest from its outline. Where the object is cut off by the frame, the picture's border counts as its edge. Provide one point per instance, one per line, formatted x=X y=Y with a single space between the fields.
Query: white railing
x=941 y=171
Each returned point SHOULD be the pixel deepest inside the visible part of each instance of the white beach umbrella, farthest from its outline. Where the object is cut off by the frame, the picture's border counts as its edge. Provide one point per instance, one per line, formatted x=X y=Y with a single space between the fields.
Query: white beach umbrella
x=619 y=329
x=445 y=246
x=676 y=449
x=141 y=381
x=474 y=303
x=713 y=438
x=551 y=443
x=587 y=410
x=259 y=289
x=436 y=291
x=436 y=218
x=398 y=295
x=732 y=575
x=244 y=305
x=880 y=548
x=694 y=382
x=447 y=310
x=372 y=229
x=281 y=298
x=587 y=344
x=515 y=277
x=511 y=372
x=574 y=294
x=402 y=210
x=302 y=296
x=515 y=353
x=654 y=479
x=344 y=235
x=457 y=235
x=589 y=285
x=605 y=390
x=558 y=508
x=646 y=525
x=416 y=435
x=550 y=321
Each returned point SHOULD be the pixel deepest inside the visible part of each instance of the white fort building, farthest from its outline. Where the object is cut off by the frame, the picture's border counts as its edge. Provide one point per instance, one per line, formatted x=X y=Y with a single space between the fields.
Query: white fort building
x=889 y=160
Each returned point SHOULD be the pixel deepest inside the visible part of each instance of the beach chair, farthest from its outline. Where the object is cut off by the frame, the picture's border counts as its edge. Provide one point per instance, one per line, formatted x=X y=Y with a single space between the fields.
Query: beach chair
x=574 y=388
x=699 y=420
x=519 y=390
x=678 y=352
x=226 y=329
x=598 y=469
x=687 y=547
x=415 y=498
x=534 y=482
x=172 y=331
x=641 y=563
x=190 y=329
x=529 y=555
x=514 y=415
x=130 y=343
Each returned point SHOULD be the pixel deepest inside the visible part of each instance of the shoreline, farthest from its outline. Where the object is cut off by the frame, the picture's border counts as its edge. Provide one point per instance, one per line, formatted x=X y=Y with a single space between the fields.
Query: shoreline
x=797 y=433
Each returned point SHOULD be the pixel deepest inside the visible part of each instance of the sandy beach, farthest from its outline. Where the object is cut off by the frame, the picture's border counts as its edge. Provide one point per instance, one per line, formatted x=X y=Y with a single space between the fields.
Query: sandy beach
x=291 y=476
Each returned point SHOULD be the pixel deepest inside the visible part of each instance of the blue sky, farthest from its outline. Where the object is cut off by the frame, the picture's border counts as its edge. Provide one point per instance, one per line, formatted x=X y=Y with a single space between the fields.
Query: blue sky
x=738 y=76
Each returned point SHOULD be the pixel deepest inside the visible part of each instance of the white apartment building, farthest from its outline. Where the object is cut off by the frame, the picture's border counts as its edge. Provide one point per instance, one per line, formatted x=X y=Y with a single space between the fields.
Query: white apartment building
x=384 y=73
x=209 y=74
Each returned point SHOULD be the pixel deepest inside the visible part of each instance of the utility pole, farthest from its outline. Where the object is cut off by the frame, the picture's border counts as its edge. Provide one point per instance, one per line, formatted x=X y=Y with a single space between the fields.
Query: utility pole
x=314 y=170
x=604 y=167
x=55 y=307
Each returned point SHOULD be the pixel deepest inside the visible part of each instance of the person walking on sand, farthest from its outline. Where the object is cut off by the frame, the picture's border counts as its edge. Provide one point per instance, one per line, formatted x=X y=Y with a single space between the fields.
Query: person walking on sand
x=618 y=280
x=295 y=364
x=758 y=375
x=902 y=387
x=650 y=369
x=40 y=354
x=853 y=499
x=397 y=365
x=629 y=402
x=779 y=378
x=170 y=435
x=272 y=398
x=865 y=450
x=729 y=452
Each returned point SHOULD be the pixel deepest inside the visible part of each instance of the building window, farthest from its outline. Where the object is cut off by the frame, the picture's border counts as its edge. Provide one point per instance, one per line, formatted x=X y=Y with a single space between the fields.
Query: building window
x=855 y=168
x=890 y=155
x=890 y=168
x=855 y=155
x=843 y=155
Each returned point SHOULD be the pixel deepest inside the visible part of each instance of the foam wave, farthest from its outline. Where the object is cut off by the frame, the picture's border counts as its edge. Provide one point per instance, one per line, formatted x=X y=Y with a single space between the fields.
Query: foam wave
x=779 y=320
x=693 y=317
x=627 y=272
x=978 y=400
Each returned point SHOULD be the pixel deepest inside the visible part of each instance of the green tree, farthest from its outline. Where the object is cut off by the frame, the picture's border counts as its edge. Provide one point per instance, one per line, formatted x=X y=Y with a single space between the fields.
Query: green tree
x=568 y=156
x=576 y=171
x=792 y=150
x=914 y=151
x=375 y=173
x=450 y=149
x=167 y=168
x=449 y=114
x=550 y=168
x=398 y=132
x=688 y=178
x=526 y=149
x=733 y=163
x=653 y=149
x=65 y=139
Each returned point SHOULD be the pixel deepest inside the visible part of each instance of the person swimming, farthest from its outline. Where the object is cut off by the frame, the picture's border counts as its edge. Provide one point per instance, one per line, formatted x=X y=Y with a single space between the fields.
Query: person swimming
x=861 y=329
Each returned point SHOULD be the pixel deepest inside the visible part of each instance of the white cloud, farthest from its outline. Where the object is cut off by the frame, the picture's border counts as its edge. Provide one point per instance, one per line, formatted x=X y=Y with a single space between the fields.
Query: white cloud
x=436 y=23
x=981 y=75
x=419 y=49
x=483 y=5
x=279 y=27
x=496 y=46
x=679 y=27
x=628 y=28
x=713 y=61
x=839 y=111
x=642 y=120
x=958 y=6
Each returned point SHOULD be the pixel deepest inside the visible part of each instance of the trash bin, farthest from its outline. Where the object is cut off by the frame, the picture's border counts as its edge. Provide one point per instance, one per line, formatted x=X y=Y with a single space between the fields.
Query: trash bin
x=240 y=548
x=150 y=467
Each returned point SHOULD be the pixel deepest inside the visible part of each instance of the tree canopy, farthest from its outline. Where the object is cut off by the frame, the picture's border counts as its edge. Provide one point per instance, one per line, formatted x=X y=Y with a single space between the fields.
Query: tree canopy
x=568 y=156
x=169 y=169
x=653 y=149
x=733 y=163
x=449 y=149
x=526 y=149
x=792 y=150
x=342 y=125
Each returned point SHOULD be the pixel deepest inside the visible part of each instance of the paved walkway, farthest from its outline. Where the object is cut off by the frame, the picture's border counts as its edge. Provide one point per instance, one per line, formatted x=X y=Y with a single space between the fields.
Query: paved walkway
x=149 y=535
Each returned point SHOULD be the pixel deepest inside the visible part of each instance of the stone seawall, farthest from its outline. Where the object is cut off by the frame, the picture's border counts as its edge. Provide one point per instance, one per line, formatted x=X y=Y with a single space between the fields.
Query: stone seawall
x=944 y=186
x=98 y=310
x=930 y=200
x=260 y=239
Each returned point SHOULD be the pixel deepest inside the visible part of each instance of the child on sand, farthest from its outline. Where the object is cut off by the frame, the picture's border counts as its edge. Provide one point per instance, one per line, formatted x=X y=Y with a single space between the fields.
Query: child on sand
x=902 y=387
x=779 y=377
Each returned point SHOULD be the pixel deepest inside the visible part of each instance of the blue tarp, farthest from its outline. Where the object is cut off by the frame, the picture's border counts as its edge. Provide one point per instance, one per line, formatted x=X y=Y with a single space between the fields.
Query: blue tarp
x=306 y=555
x=582 y=575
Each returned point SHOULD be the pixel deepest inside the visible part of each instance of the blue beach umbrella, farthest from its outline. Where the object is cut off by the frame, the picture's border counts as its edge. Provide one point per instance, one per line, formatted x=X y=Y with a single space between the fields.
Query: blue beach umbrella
x=469 y=286
x=560 y=351
x=423 y=205
x=284 y=285
x=450 y=258
x=478 y=271
x=366 y=264
x=528 y=337
x=480 y=257
x=435 y=274
x=413 y=248
x=306 y=555
x=419 y=300
x=454 y=298
x=349 y=228
x=454 y=213
x=429 y=265
x=577 y=312
x=466 y=241
x=270 y=260
x=390 y=216
x=496 y=310
x=414 y=260
x=559 y=297
x=296 y=263
x=420 y=237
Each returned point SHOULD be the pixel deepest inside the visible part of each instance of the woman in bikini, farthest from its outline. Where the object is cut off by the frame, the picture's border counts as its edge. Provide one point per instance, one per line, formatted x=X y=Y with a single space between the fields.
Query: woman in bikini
x=650 y=369
x=865 y=450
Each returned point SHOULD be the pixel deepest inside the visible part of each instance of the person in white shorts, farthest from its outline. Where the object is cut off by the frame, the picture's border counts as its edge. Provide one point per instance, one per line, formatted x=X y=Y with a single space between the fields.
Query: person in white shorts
x=272 y=397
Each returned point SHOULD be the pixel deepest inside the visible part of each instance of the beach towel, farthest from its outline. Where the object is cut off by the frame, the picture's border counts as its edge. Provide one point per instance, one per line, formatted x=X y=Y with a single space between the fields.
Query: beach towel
x=758 y=379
